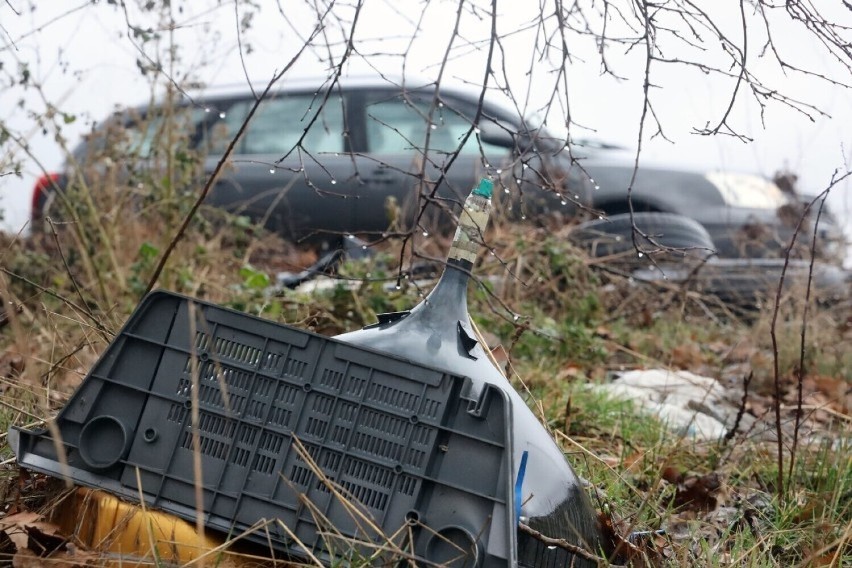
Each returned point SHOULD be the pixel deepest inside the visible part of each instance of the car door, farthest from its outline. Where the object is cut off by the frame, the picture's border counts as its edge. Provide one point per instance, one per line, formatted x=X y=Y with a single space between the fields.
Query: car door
x=403 y=169
x=292 y=169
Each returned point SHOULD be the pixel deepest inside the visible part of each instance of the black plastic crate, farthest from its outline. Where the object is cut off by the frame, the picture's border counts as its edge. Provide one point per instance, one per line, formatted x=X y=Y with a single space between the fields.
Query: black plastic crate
x=287 y=423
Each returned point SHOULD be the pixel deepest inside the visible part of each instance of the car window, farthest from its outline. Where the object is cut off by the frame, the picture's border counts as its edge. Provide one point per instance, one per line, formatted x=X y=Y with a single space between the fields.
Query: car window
x=278 y=124
x=135 y=132
x=397 y=125
x=138 y=133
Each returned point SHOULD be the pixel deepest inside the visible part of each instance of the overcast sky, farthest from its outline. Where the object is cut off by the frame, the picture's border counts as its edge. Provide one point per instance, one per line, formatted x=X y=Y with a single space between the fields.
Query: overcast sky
x=86 y=63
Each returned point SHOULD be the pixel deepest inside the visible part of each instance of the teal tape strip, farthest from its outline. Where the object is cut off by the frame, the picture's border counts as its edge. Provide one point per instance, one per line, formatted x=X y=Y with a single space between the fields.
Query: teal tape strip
x=519 y=484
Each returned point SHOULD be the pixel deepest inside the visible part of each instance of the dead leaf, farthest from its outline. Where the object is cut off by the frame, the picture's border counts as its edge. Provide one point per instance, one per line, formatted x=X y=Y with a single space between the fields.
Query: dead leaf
x=838 y=391
x=823 y=560
x=500 y=354
x=26 y=558
x=568 y=371
x=741 y=352
x=12 y=364
x=6 y=309
x=632 y=459
x=758 y=407
x=20 y=518
x=13 y=527
x=44 y=538
x=686 y=356
x=7 y=547
x=718 y=347
x=698 y=493
x=672 y=475
x=28 y=531
x=610 y=461
x=603 y=332
x=621 y=548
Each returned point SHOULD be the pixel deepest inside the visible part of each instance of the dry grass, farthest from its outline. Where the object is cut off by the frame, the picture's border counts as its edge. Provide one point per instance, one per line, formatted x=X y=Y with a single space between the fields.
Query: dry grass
x=563 y=321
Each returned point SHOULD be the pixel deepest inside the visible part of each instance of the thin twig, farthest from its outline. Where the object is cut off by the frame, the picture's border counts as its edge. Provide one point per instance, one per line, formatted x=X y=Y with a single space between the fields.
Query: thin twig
x=238 y=26
x=107 y=334
x=83 y=303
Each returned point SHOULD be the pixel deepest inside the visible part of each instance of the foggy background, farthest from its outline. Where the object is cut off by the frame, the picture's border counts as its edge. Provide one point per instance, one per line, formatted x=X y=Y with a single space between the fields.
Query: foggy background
x=86 y=63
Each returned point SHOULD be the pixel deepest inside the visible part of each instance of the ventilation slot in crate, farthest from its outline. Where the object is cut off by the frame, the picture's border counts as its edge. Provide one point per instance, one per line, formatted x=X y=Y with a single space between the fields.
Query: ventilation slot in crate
x=176 y=414
x=367 y=483
x=268 y=450
x=202 y=341
x=356 y=383
x=407 y=485
x=214 y=436
x=218 y=385
x=294 y=367
x=257 y=406
x=236 y=351
x=301 y=475
x=284 y=404
x=431 y=408
x=244 y=446
x=270 y=361
x=331 y=379
x=392 y=397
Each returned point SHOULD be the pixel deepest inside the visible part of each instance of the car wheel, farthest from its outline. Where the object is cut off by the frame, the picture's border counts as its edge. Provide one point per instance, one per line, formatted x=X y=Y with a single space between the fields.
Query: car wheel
x=659 y=234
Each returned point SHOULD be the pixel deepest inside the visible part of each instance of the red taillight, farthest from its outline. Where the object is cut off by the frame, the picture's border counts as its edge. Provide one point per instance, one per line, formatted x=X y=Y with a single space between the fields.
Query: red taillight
x=42 y=185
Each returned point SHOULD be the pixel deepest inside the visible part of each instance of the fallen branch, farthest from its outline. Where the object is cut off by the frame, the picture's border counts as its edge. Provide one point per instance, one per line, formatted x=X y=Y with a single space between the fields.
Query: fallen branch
x=565 y=545
x=741 y=410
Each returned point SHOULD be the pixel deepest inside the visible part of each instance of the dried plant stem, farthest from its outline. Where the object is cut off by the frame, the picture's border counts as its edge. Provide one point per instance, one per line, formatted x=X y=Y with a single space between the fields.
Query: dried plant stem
x=195 y=421
x=801 y=371
x=729 y=435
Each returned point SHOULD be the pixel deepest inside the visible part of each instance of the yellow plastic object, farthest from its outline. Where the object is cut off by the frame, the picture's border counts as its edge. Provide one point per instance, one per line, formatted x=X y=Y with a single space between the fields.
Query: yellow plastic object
x=128 y=535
